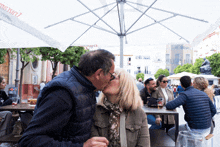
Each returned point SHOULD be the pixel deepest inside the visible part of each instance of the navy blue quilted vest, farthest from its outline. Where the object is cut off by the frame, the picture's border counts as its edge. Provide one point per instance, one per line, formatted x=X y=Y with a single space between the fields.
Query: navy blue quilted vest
x=83 y=99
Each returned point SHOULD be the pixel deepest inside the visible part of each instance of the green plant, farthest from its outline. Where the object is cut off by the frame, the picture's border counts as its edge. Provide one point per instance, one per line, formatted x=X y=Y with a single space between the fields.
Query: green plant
x=140 y=75
x=161 y=72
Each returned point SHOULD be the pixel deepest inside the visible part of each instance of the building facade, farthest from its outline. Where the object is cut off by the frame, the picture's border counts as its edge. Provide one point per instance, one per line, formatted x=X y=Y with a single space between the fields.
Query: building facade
x=140 y=59
x=178 y=54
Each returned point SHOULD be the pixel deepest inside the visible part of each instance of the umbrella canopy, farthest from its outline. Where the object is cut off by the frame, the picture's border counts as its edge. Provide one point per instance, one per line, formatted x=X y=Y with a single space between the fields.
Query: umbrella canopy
x=105 y=22
x=179 y=75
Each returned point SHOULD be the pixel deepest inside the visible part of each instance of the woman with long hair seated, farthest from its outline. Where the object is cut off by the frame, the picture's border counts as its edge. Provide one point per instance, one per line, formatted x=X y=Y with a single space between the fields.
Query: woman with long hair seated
x=202 y=84
x=165 y=93
x=121 y=98
x=4 y=99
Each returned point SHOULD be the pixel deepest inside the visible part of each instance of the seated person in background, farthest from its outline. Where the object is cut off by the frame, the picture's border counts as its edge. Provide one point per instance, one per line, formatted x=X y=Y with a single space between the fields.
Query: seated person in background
x=163 y=92
x=216 y=90
x=197 y=106
x=140 y=84
x=119 y=97
x=6 y=124
x=145 y=93
x=4 y=99
x=202 y=84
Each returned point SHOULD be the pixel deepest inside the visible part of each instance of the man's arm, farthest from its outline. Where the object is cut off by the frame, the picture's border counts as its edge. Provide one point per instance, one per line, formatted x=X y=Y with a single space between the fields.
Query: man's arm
x=180 y=100
x=51 y=116
x=212 y=108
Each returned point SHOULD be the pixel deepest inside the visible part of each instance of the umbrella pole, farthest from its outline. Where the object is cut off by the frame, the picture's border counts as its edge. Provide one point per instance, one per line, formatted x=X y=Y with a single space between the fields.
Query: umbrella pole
x=17 y=69
x=121 y=50
x=122 y=30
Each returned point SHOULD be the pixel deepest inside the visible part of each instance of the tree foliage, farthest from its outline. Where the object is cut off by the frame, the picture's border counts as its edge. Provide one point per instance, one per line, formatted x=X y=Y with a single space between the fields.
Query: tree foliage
x=186 y=67
x=27 y=55
x=2 y=55
x=215 y=64
x=140 y=75
x=196 y=67
x=161 y=72
x=71 y=56
x=189 y=67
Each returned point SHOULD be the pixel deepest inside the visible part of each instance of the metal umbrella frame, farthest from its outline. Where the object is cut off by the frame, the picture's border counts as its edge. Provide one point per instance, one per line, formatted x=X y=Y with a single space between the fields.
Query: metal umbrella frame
x=124 y=32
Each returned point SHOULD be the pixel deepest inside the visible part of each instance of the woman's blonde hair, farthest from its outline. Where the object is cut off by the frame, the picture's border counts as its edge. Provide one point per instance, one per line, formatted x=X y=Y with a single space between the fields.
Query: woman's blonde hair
x=129 y=96
x=202 y=83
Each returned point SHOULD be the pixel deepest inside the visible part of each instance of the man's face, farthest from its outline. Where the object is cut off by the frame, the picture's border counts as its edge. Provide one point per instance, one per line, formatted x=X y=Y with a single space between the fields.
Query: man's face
x=151 y=86
x=105 y=79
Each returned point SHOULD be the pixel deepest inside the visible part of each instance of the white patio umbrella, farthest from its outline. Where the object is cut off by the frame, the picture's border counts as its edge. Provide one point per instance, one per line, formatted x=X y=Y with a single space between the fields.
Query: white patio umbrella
x=106 y=22
x=179 y=75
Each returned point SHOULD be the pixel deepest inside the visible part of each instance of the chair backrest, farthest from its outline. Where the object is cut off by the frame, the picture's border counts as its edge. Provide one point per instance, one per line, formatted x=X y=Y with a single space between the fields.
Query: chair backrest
x=217 y=103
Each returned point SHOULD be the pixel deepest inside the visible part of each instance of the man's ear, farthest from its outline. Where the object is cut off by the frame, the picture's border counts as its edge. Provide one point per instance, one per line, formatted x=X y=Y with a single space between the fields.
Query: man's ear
x=98 y=73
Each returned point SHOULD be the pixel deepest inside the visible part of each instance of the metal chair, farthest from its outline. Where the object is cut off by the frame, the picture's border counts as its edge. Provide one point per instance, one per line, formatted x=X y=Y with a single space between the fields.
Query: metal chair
x=217 y=103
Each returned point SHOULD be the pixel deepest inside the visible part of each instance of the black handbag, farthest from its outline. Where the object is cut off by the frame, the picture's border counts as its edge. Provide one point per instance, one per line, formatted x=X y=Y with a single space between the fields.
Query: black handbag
x=153 y=102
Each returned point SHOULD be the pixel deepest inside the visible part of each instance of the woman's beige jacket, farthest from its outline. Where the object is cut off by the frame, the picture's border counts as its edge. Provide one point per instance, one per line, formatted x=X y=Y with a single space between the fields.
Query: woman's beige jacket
x=159 y=94
x=135 y=122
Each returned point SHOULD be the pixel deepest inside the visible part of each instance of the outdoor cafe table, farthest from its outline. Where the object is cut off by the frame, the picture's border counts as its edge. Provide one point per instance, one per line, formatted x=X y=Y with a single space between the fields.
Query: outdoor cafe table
x=164 y=111
x=18 y=107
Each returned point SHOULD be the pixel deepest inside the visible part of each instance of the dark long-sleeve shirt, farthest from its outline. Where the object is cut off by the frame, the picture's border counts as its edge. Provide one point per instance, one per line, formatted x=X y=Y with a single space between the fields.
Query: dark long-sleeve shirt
x=53 y=115
x=3 y=96
x=198 y=108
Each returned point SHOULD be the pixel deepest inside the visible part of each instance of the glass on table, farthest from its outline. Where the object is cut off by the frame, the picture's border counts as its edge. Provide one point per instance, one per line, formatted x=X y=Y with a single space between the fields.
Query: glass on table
x=14 y=101
x=160 y=102
x=190 y=139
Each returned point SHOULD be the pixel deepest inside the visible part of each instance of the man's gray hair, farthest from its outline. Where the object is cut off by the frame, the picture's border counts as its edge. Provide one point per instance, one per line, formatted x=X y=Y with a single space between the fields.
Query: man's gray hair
x=91 y=61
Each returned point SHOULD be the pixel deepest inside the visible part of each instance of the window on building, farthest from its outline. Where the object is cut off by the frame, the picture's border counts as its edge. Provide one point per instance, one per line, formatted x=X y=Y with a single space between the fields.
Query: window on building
x=177 y=59
x=128 y=70
x=146 y=57
x=188 y=60
x=35 y=64
x=146 y=70
x=167 y=58
x=138 y=57
x=129 y=60
x=139 y=69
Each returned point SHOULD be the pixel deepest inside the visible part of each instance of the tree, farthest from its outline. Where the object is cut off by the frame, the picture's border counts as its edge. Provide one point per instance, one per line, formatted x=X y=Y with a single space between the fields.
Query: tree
x=196 y=67
x=185 y=67
x=27 y=55
x=71 y=56
x=2 y=55
x=214 y=63
x=140 y=75
x=177 y=69
x=161 y=72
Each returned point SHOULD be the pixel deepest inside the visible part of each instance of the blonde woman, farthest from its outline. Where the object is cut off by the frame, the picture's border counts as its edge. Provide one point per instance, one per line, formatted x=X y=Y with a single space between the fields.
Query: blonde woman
x=202 y=84
x=121 y=95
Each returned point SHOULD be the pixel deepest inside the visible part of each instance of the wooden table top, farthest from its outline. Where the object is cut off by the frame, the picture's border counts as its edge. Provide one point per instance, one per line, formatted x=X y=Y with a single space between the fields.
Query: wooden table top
x=18 y=107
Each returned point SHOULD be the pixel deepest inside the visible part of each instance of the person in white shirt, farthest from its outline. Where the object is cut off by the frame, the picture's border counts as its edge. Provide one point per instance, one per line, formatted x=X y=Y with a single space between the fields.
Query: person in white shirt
x=167 y=94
